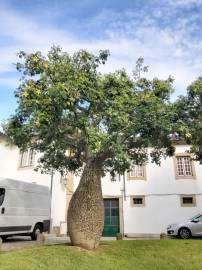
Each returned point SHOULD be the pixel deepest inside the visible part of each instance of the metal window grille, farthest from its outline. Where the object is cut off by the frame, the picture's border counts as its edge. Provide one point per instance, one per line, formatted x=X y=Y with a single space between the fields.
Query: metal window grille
x=138 y=200
x=187 y=200
x=137 y=171
x=184 y=167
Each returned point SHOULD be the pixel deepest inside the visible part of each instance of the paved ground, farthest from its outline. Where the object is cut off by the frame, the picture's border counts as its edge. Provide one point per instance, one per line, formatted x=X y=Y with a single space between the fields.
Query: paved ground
x=17 y=242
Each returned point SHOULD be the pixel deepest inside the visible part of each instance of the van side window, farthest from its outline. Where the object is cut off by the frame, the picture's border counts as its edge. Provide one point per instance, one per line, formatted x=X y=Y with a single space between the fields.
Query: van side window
x=2 y=195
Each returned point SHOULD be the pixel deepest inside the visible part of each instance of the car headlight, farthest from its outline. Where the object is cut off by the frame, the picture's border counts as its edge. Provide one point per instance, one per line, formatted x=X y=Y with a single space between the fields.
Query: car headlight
x=171 y=226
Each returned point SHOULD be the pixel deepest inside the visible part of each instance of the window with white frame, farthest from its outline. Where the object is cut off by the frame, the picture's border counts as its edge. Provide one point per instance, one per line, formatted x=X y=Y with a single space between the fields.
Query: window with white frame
x=27 y=158
x=136 y=172
x=184 y=166
x=138 y=201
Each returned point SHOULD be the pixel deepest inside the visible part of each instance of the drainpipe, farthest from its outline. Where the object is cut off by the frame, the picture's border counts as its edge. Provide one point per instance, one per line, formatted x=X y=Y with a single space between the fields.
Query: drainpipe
x=124 y=186
x=123 y=199
x=51 y=186
x=51 y=195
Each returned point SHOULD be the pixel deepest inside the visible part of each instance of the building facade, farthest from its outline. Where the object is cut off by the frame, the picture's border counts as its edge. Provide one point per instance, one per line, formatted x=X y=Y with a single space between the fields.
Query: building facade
x=20 y=166
x=140 y=203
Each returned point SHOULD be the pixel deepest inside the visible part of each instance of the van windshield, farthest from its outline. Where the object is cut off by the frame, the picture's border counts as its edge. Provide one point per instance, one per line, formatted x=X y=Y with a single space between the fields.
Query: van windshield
x=2 y=195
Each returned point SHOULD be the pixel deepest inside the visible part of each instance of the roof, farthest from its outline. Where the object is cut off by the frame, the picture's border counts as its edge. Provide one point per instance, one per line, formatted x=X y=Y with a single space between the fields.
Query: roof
x=176 y=139
x=2 y=135
x=20 y=185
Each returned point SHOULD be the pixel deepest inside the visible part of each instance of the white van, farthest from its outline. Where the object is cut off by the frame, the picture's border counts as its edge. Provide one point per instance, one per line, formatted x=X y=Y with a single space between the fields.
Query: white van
x=24 y=208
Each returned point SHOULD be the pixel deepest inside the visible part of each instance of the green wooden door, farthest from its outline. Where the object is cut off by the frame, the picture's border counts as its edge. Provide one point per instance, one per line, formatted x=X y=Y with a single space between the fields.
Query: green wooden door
x=111 y=225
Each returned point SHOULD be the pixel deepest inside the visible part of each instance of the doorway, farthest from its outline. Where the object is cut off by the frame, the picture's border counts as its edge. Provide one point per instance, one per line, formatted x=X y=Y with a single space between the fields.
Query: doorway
x=111 y=221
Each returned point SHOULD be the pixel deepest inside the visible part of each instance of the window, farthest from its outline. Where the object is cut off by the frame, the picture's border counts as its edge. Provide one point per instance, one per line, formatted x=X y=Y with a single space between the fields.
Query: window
x=137 y=172
x=199 y=218
x=184 y=166
x=2 y=195
x=27 y=158
x=138 y=201
x=188 y=200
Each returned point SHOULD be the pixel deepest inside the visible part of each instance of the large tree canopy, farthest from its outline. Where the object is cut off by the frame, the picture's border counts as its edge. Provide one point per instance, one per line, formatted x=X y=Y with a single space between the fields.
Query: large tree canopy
x=81 y=119
x=65 y=104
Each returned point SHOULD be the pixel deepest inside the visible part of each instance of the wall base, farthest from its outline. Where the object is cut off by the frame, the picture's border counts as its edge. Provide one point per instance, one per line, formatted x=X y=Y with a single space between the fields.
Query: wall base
x=142 y=235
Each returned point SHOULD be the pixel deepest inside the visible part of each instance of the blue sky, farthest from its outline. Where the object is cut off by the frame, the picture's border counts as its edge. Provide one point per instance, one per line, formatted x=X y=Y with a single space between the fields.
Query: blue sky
x=168 y=34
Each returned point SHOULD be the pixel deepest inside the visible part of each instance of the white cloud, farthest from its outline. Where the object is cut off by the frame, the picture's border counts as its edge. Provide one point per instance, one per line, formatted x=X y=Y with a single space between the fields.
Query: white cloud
x=184 y=2
x=168 y=50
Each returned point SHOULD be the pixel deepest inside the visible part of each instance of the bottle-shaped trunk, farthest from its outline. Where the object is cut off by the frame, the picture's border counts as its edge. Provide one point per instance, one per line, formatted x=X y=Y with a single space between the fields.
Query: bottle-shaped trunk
x=86 y=209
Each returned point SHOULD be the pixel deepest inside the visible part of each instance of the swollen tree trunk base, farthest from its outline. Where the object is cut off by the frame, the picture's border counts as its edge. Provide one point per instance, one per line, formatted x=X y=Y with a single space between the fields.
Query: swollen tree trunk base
x=86 y=210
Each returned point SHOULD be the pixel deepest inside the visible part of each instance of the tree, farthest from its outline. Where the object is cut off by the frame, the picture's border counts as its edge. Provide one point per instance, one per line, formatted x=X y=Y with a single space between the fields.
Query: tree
x=190 y=117
x=83 y=120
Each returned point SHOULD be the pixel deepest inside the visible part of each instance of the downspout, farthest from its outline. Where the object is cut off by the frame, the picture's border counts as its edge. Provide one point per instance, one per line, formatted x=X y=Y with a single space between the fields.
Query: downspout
x=123 y=199
x=124 y=186
x=51 y=195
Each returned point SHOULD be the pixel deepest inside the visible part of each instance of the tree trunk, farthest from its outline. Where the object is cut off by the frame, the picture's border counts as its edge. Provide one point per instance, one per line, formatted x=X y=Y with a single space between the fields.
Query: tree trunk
x=86 y=210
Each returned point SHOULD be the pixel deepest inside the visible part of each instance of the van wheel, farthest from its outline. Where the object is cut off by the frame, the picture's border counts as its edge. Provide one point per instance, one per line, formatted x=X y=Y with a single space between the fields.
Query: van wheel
x=4 y=237
x=37 y=230
x=184 y=233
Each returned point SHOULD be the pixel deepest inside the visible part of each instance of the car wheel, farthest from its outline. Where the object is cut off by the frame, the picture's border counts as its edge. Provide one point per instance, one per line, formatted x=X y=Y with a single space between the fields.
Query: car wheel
x=37 y=230
x=184 y=233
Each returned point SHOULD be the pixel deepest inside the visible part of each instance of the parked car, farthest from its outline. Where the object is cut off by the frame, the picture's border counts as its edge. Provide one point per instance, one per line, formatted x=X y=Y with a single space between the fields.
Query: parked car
x=187 y=229
x=24 y=208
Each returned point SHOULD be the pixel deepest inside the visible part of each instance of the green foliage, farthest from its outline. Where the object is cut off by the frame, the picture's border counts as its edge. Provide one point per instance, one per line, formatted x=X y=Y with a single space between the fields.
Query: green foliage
x=70 y=112
x=190 y=117
x=139 y=68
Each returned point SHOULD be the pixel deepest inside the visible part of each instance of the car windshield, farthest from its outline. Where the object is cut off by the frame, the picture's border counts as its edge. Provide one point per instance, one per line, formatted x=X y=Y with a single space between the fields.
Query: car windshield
x=194 y=217
x=2 y=195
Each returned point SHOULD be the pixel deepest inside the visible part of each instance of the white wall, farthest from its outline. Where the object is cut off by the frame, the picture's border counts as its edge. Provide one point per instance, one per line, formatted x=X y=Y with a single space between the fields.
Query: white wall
x=9 y=167
x=161 y=190
x=162 y=196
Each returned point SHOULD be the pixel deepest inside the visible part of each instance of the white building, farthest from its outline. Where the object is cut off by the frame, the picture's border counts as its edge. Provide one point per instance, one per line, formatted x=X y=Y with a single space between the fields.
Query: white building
x=143 y=202
x=18 y=166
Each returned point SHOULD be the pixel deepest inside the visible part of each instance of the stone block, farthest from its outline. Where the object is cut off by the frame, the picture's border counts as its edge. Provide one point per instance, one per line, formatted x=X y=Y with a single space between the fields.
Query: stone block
x=56 y=230
x=54 y=240
x=40 y=239
x=119 y=236
x=163 y=236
